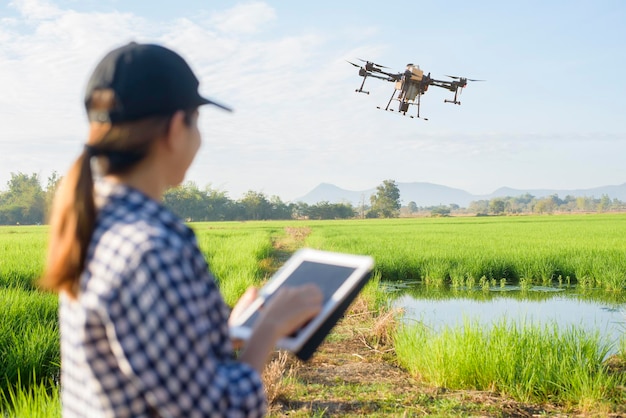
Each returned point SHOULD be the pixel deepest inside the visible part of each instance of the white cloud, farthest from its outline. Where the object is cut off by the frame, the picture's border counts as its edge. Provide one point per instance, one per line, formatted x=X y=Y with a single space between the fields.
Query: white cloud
x=45 y=68
x=36 y=9
x=243 y=18
x=276 y=85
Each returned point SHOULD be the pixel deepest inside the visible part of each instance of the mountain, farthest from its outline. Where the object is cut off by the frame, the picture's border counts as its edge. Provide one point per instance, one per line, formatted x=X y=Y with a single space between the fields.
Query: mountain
x=325 y=192
x=429 y=194
x=423 y=194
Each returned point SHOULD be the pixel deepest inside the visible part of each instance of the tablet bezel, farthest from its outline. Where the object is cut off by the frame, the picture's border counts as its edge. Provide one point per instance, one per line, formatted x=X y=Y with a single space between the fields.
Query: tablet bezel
x=361 y=264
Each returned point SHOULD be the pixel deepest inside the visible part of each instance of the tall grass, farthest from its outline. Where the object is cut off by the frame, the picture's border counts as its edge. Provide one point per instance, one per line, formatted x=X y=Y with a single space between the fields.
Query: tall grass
x=22 y=255
x=29 y=342
x=530 y=362
x=36 y=400
x=234 y=255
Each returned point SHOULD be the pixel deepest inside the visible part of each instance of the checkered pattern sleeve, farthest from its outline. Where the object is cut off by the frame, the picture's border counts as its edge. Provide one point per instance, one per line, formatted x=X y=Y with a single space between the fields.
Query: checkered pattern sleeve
x=168 y=332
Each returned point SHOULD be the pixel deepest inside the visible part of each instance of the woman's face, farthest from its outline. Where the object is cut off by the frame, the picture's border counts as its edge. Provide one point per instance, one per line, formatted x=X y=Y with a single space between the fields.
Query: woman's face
x=195 y=139
x=191 y=141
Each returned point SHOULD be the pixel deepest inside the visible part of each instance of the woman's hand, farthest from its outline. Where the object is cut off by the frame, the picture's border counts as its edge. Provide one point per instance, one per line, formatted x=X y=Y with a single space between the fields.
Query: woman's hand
x=244 y=301
x=286 y=311
x=290 y=308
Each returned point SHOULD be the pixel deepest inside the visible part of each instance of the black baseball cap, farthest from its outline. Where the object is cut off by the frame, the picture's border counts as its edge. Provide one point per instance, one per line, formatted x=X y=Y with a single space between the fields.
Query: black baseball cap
x=147 y=80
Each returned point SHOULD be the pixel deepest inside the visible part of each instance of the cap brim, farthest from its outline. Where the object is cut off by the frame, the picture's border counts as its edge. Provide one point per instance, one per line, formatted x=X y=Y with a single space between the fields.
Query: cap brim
x=214 y=103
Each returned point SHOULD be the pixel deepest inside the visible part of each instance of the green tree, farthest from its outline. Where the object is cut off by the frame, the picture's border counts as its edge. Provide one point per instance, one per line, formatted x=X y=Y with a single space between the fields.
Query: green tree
x=386 y=201
x=279 y=209
x=218 y=206
x=186 y=201
x=412 y=206
x=545 y=205
x=326 y=210
x=255 y=205
x=51 y=188
x=441 y=210
x=497 y=206
x=479 y=207
x=604 y=204
x=24 y=202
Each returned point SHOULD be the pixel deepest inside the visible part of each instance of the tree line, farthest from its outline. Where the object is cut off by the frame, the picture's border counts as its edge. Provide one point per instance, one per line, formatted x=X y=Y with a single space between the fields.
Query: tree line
x=528 y=203
x=523 y=204
x=26 y=202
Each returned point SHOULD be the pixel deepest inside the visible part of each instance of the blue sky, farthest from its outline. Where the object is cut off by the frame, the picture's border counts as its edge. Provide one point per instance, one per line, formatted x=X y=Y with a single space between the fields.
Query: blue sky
x=551 y=113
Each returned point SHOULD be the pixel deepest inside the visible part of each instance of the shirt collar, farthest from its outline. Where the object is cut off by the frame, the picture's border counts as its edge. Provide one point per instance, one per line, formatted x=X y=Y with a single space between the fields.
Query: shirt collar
x=111 y=196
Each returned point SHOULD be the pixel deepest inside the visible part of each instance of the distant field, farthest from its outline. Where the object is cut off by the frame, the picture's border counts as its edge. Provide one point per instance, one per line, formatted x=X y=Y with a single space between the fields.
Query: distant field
x=585 y=249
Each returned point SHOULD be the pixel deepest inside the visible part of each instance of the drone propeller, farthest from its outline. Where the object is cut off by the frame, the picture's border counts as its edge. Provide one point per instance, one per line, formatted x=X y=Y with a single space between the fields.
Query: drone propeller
x=356 y=65
x=373 y=63
x=458 y=78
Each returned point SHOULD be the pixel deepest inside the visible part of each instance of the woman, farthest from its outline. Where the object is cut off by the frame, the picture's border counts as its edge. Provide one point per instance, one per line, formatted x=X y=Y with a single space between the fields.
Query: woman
x=144 y=330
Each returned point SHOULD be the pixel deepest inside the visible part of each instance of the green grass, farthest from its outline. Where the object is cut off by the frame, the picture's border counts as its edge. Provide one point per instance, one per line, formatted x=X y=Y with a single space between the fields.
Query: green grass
x=582 y=249
x=29 y=344
x=234 y=254
x=531 y=363
x=22 y=255
x=35 y=400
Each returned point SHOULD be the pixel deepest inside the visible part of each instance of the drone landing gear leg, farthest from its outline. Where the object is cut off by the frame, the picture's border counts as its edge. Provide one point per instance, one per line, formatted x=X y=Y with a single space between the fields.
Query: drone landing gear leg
x=419 y=104
x=360 y=89
x=390 y=99
x=455 y=101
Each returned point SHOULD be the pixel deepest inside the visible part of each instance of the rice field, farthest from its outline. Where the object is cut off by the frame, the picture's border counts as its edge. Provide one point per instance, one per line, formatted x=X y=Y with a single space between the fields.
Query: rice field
x=586 y=250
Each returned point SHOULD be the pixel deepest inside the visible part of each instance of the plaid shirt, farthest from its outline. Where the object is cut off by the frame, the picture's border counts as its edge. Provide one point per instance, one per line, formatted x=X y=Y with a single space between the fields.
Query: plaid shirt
x=148 y=334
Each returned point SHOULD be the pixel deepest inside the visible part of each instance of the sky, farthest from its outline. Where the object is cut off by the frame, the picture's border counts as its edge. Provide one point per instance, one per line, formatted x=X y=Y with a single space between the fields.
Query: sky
x=551 y=113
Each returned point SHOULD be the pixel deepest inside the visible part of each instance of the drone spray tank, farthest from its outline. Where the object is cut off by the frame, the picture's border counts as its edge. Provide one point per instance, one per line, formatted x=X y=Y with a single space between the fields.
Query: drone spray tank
x=410 y=84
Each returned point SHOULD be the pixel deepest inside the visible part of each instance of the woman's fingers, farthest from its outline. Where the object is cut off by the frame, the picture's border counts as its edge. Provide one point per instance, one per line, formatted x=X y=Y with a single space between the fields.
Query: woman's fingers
x=246 y=299
x=291 y=307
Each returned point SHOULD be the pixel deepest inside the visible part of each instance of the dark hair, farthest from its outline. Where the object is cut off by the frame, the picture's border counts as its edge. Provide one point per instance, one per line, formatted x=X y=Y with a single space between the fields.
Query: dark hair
x=118 y=148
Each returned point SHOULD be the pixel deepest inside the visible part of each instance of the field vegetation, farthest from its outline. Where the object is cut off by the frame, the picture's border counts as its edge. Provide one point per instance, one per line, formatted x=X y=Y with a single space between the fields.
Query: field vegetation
x=529 y=362
x=542 y=366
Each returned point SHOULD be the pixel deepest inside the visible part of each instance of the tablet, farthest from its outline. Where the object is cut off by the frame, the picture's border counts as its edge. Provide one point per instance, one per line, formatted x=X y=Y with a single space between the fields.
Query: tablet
x=340 y=277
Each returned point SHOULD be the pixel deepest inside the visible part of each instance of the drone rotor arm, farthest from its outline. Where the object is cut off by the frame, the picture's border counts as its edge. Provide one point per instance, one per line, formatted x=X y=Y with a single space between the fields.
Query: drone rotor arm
x=390 y=75
x=380 y=77
x=448 y=85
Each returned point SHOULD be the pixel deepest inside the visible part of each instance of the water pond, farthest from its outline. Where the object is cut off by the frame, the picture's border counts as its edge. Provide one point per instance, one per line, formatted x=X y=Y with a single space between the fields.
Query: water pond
x=567 y=306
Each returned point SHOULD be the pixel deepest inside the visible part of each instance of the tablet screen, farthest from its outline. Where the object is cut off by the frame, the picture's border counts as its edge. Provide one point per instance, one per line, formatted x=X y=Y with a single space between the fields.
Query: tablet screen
x=328 y=277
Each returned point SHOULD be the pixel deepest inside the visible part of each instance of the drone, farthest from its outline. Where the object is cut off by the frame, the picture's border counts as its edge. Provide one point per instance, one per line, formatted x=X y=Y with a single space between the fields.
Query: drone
x=410 y=85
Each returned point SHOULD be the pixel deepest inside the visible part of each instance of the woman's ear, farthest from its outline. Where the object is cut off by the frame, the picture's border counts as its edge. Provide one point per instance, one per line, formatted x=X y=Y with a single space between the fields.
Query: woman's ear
x=176 y=129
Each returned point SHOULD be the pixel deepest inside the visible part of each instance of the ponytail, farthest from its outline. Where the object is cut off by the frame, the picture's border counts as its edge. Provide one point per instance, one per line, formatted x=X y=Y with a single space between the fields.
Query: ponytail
x=71 y=227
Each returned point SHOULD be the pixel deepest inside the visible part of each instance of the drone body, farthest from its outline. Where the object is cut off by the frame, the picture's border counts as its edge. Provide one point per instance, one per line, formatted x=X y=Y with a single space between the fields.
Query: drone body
x=410 y=85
